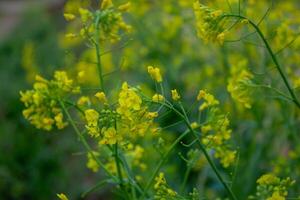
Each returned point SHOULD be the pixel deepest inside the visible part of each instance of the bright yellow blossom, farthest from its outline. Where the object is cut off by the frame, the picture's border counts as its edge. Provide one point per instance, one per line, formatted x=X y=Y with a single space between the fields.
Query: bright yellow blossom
x=92 y=117
x=69 y=16
x=155 y=73
x=101 y=97
x=158 y=98
x=175 y=95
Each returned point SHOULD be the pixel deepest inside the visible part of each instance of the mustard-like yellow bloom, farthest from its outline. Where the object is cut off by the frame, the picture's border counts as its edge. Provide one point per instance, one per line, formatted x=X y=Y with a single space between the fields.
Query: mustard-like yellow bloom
x=162 y=190
x=110 y=136
x=175 y=95
x=152 y=115
x=92 y=117
x=155 y=73
x=271 y=187
x=209 y=100
x=69 y=16
x=85 y=14
x=158 y=98
x=83 y=100
x=209 y=23
x=238 y=83
x=62 y=196
x=70 y=35
x=91 y=162
x=106 y=4
x=268 y=179
x=129 y=101
x=101 y=97
x=42 y=102
x=124 y=7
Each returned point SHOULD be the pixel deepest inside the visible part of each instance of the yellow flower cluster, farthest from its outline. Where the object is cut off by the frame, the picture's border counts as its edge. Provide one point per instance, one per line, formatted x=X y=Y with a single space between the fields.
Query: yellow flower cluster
x=175 y=95
x=42 y=102
x=238 y=83
x=209 y=23
x=136 y=154
x=158 y=98
x=129 y=118
x=209 y=100
x=155 y=73
x=92 y=118
x=135 y=119
x=108 y=19
x=162 y=190
x=215 y=131
x=270 y=187
x=129 y=102
x=91 y=162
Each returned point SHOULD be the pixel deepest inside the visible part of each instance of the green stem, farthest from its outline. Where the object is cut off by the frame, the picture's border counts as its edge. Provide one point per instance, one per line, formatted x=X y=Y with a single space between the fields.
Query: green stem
x=98 y=55
x=211 y=163
x=84 y=142
x=116 y=155
x=163 y=160
x=186 y=175
x=273 y=56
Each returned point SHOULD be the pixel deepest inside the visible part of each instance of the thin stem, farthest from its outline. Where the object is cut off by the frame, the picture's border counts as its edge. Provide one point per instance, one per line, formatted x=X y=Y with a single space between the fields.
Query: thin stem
x=98 y=55
x=163 y=160
x=186 y=175
x=202 y=148
x=84 y=142
x=273 y=56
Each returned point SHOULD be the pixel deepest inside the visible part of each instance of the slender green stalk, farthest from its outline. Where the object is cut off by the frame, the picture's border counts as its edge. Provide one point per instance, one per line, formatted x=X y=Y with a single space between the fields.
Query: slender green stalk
x=98 y=55
x=185 y=178
x=203 y=149
x=273 y=56
x=163 y=160
x=84 y=142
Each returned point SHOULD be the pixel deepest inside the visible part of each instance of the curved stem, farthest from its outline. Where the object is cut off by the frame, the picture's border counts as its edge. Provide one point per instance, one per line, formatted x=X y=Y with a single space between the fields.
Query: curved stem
x=273 y=56
x=202 y=148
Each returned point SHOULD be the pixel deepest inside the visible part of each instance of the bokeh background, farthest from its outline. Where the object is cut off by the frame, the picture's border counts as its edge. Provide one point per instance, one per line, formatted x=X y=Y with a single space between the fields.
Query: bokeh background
x=36 y=165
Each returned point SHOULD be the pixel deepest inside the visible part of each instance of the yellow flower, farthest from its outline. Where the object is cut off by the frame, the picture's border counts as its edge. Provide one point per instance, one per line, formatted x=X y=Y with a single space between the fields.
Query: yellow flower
x=84 y=100
x=85 y=14
x=106 y=4
x=175 y=95
x=129 y=101
x=160 y=180
x=71 y=35
x=157 y=98
x=109 y=136
x=152 y=115
x=276 y=196
x=69 y=16
x=42 y=105
x=209 y=23
x=155 y=73
x=92 y=163
x=101 y=97
x=59 y=121
x=209 y=100
x=268 y=179
x=92 y=117
x=124 y=7
x=62 y=196
x=238 y=83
